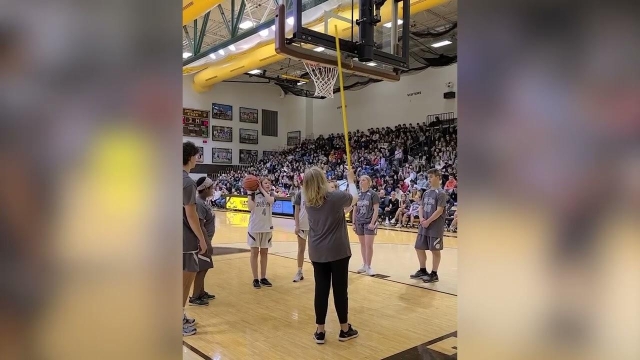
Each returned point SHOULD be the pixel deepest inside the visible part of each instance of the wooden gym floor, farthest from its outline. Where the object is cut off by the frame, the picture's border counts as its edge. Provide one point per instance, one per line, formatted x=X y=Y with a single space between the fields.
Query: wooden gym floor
x=398 y=318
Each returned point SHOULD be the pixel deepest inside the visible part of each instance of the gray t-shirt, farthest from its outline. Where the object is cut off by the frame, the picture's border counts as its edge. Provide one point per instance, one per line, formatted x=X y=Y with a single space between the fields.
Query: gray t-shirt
x=207 y=217
x=260 y=219
x=328 y=238
x=189 y=239
x=364 y=206
x=298 y=200
x=431 y=200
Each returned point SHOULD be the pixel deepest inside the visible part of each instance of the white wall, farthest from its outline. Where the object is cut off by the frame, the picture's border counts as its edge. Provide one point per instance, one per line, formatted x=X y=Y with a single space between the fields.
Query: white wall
x=291 y=114
x=388 y=103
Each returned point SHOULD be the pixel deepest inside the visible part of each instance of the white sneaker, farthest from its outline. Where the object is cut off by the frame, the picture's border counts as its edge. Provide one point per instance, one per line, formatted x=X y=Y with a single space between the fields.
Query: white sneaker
x=363 y=269
x=386 y=223
x=370 y=272
x=298 y=276
x=188 y=330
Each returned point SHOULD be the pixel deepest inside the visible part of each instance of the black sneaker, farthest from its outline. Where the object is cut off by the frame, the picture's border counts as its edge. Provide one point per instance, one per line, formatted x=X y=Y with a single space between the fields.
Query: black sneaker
x=419 y=274
x=256 y=284
x=351 y=333
x=208 y=296
x=198 y=301
x=265 y=282
x=431 y=278
x=319 y=337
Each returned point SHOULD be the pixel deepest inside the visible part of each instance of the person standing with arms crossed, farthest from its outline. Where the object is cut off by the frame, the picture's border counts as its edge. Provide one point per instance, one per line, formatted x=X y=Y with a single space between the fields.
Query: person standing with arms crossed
x=193 y=240
x=329 y=249
x=366 y=224
x=431 y=229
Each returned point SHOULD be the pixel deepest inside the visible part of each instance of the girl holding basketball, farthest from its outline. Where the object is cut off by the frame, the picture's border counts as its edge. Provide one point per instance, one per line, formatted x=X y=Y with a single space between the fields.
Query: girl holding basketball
x=366 y=222
x=260 y=228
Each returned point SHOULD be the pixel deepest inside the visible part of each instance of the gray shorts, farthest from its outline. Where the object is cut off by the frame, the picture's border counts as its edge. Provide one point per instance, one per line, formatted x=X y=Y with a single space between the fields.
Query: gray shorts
x=190 y=262
x=204 y=260
x=363 y=229
x=425 y=242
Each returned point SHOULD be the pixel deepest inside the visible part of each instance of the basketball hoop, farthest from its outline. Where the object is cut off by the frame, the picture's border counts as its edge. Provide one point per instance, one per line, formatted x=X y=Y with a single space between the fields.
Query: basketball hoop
x=324 y=77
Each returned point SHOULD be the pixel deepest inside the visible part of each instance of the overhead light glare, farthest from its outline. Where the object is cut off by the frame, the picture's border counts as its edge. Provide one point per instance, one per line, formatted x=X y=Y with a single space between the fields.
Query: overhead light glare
x=441 y=43
x=232 y=47
x=371 y=63
x=264 y=33
x=247 y=24
x=290 y=21
x=255 y=72
x=319 y=49
x=388 y=25
x=213 y=56
x=186 y=55
x=221 y=52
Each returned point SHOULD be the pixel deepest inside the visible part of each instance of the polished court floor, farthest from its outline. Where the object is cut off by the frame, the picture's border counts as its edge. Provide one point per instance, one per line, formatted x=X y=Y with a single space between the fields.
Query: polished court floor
x=397 y=317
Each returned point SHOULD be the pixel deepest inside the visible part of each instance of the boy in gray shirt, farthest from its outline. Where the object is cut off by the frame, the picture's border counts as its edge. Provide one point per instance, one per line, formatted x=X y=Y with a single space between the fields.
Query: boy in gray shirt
x=431 y=229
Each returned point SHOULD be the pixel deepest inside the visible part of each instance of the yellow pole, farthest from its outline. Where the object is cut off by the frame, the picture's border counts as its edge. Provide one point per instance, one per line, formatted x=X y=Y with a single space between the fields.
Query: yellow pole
x=342 y=101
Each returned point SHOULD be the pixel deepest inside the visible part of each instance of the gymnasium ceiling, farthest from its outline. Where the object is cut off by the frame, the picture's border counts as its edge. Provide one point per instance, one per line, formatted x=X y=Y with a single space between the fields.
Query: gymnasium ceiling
x=219 y=30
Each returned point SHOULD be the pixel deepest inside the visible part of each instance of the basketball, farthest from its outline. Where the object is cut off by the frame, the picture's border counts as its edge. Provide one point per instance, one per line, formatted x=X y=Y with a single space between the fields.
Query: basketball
x=251 y=183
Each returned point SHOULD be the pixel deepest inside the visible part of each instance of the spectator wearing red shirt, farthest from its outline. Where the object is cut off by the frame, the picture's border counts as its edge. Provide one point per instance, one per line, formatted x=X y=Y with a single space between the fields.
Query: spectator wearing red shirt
x=451 y=184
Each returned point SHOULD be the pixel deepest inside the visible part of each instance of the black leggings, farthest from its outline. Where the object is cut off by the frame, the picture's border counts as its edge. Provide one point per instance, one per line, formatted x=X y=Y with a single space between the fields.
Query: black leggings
x=327 y=275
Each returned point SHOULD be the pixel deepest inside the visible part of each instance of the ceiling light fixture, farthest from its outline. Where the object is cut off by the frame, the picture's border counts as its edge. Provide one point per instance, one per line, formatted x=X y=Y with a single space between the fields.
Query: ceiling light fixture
x=232 y=47
x=264 y=33
x=388 y=25
x=371 y=63
x=318 y=49
x=247 y=24
x=213 y=56
x=441 y=43
x=255 y=72
x=221 y=52
x=290 y=21
x=301 y=83
x=186 y=55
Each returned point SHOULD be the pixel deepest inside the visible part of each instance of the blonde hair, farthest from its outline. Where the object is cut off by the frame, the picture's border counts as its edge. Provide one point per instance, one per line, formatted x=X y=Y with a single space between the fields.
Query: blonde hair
x=366 y=177
x=315 y=186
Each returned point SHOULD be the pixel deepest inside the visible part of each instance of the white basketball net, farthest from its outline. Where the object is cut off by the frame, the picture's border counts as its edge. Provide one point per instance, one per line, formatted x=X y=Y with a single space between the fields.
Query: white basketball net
x=324 y=77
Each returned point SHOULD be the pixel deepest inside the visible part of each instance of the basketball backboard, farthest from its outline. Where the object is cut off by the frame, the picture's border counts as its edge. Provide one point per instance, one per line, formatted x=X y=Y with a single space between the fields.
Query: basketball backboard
x=371 y=44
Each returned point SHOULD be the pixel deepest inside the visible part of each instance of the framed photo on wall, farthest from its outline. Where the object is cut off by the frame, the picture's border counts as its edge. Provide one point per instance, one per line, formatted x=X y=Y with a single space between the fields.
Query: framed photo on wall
x=248 y=156
x=200 y=158
x=268 y=153
x=293 y=138
x=248 y=115
x=222 y=133
x=221 y=156
x=248 y=136
x=221 y=111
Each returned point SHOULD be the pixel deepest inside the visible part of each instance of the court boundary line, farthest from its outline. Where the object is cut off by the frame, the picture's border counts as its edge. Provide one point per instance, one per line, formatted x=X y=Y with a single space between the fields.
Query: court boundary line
x=373 y=277
x=290 y=218
x=429 y=343
x=195 y=350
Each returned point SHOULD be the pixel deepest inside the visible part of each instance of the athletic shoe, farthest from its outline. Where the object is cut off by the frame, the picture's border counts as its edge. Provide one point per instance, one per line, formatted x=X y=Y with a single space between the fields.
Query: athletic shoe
x=431 y=278
x=370 y=271
x=419 y=274
x=351 y=333
x=393 y=222
x=319 y=337
x=188 y=330
x=298 y=276
x=256 y=284
x=265 y=282
x=208 y=296
x=200 y=301
x=386 y=223
x=362 y=269
x=187 y=321
x=398 y=226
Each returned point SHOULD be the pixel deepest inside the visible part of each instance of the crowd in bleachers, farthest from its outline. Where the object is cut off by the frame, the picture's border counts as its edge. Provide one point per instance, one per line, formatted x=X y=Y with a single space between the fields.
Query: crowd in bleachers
x=396 y=159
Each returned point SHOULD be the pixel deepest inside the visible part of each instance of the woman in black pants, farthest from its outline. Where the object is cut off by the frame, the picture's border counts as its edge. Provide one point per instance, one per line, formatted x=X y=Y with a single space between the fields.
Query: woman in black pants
x=329 y=249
